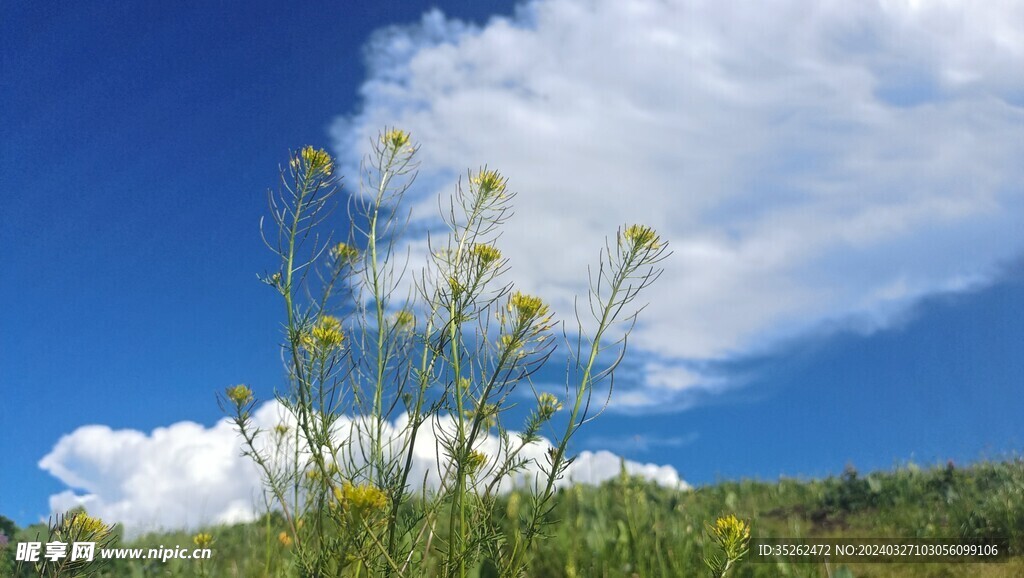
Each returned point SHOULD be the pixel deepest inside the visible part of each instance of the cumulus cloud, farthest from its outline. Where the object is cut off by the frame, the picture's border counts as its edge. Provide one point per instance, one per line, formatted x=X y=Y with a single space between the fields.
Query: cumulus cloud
x=187 y=475
x=812 y=163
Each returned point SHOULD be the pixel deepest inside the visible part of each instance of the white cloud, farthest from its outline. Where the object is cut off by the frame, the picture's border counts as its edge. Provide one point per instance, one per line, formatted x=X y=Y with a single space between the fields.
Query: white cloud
x=640 y=442
x=183 y=475
x=187 y=475
x=812 y=163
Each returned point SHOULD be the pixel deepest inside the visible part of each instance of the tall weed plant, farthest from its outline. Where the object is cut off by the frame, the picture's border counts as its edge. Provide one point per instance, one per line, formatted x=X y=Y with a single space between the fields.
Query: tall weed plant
x=360 y=350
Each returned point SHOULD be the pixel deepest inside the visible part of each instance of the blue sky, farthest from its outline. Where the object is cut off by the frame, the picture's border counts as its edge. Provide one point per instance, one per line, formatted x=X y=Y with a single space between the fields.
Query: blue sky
x=844 y=198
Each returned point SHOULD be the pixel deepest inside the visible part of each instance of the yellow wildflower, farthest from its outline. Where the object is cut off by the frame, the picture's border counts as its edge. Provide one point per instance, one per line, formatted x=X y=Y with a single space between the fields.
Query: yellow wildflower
x=240 y=394
x=642 y=237
x=455 y=287
x=404 y=319
x=732 y=534
x=82 y=524
x=526 y=306
x=361 y=498
x=488 y=182
x=317 y=161
x=325 y=335
x=486 y=254
x=510 y=343
x=285 y=539
x=547 y=405
x=395 y=139
x=730 y=529
x=475 y=460
x=202 y=540
x=344 y=253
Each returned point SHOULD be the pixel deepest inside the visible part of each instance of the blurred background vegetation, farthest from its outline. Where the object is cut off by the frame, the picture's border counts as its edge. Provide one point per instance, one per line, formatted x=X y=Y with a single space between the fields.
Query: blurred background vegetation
x=629 y=527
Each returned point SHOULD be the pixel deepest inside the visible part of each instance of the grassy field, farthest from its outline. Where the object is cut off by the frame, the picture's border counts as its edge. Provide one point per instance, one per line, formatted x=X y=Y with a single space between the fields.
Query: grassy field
x=338 y=494
x=631 y=528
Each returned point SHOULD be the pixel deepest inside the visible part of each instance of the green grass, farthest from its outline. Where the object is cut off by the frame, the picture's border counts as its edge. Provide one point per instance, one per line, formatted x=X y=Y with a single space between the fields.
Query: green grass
x=628 y=527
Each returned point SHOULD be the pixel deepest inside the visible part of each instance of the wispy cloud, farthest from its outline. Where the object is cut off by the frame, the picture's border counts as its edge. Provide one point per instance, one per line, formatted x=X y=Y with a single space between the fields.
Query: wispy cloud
x=640 y=442
x=812 y=163
x=186 y=475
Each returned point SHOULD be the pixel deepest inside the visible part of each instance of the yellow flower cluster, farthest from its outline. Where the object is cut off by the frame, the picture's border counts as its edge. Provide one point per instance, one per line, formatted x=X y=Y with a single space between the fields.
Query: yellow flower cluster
x=731 y=528
x=325 y=335
x=361 y=498
x=475 y=460
x=489 y=182
x=455 y=286
x=239 y=395
x=404 y=319
x=202 y=540
x=526 y=306
x=509 y=342
x=344 y=253
x=642 y=237
x=486 y=254
x=285 y=539
x=547 y=405
x=317 y=160
x=732 y=533
x=82 y=524
x=395 y=139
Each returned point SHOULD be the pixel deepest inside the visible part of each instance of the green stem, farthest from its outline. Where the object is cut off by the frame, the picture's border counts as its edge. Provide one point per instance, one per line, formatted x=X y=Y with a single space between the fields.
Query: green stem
x=581 y=392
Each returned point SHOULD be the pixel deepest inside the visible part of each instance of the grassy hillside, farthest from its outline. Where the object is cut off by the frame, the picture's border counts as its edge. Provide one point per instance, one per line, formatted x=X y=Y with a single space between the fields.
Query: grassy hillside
x=630 y=528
